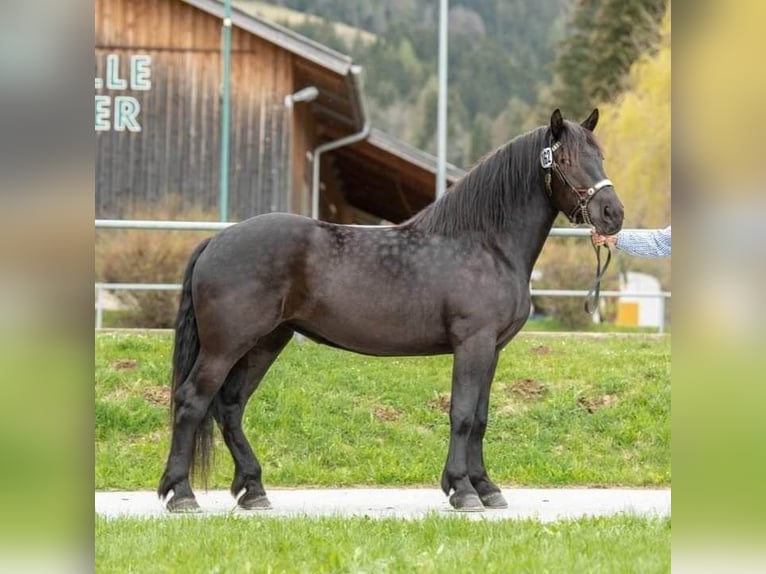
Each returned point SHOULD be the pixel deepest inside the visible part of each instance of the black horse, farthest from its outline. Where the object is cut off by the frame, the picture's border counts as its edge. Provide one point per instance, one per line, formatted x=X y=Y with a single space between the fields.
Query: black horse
x=452 y=279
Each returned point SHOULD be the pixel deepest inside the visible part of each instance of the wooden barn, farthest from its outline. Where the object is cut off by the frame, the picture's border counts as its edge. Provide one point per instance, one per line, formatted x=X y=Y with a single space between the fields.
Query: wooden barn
x=157 y=120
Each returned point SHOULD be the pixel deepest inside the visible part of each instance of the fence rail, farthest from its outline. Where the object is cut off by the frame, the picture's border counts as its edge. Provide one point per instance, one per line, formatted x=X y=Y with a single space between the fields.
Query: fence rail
x=162 y=225
x=217 y=226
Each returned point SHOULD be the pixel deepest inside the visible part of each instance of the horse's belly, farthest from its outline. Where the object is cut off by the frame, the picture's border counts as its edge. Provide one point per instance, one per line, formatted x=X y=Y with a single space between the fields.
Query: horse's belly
x=373 y=334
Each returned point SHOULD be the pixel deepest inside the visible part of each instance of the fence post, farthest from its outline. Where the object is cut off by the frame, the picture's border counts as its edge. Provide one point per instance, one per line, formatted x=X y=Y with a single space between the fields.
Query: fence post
x=99 y=308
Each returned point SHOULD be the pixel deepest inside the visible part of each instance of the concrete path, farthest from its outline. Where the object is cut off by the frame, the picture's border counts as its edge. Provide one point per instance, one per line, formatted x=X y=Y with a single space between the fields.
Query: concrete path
x=543 y=504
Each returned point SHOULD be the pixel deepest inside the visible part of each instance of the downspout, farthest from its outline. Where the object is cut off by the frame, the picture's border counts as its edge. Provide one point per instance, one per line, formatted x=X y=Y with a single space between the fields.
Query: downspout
x=356 y=78
x=223 y=201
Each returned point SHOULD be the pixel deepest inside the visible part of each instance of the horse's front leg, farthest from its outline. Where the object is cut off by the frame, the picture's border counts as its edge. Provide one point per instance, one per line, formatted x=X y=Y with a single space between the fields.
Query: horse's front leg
x=474 y=365
x=489 y=493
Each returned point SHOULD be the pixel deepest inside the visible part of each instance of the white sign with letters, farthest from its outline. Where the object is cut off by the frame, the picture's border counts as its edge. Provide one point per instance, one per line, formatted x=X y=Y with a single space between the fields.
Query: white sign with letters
x=122 y=112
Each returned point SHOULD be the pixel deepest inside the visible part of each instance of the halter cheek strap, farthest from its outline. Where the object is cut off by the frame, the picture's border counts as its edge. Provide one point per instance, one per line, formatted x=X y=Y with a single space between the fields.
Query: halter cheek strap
x=546 y=161
x=583 y=195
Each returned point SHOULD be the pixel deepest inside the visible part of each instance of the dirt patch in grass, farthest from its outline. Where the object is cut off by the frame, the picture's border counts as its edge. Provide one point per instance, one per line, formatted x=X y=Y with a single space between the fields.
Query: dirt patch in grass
x=157 y=395
x=592 y=404
x=510 y=408
x=440 y=402
x=541 y=350
x=386 y=413
x=528 y=389
x=124 y=364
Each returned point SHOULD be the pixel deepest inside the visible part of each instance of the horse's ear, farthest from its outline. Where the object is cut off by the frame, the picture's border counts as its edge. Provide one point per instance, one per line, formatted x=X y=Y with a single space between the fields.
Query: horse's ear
x=557 y=124
x=590 y=123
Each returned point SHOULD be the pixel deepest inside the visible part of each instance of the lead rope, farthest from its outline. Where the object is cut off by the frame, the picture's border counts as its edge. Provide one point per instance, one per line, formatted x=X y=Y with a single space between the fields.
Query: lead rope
x=591 y=300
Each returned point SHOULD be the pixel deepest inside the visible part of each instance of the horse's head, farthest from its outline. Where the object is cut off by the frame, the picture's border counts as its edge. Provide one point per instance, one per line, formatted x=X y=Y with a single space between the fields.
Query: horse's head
x=575 y=178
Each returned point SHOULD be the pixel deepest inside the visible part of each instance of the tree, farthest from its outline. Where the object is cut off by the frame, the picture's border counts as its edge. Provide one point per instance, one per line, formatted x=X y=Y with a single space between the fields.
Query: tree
x=635 y=131
x=627 y=30
x=604 y=39
x=573 y=66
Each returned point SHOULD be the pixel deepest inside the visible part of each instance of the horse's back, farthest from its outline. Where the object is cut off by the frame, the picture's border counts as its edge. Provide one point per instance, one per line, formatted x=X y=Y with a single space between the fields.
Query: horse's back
x=260 y=236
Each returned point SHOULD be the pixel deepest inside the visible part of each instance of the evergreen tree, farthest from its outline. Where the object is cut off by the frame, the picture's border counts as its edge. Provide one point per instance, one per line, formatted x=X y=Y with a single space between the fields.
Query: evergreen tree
x=604 y=39
x=627 y=29
x=573 y=67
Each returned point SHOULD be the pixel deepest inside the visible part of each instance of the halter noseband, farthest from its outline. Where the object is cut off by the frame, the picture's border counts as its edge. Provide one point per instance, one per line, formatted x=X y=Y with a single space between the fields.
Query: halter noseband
x=583 y=195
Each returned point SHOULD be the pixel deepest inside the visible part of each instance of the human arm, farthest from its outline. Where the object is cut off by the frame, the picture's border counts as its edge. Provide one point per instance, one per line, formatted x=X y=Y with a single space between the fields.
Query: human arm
x=642 y=243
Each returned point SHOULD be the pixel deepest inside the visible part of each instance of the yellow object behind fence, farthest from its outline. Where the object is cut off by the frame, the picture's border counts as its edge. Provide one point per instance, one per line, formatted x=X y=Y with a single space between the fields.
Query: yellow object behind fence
x=627 y=313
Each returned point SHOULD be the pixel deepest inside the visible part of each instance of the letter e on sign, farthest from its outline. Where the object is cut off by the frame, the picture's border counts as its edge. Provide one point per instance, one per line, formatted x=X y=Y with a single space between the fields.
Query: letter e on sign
x=140 y=72
x=103 y=111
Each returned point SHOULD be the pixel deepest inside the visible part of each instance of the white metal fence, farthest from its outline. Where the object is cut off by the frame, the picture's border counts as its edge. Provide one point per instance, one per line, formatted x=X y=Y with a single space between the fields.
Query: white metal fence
x=661 y=296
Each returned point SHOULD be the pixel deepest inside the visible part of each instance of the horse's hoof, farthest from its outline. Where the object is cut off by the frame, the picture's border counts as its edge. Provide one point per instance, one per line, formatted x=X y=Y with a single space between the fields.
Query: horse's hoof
x=183 y=505
x=494 y=500
x=254 y=502
x=466 y=502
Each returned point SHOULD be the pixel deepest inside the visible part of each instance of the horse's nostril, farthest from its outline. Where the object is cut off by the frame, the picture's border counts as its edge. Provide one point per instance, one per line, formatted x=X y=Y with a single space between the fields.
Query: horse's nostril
x=607 y=210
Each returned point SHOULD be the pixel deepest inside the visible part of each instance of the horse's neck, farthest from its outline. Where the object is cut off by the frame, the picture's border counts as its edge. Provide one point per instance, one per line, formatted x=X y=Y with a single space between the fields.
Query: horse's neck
x=520 y=227
x=524 y=239
x=530 y=222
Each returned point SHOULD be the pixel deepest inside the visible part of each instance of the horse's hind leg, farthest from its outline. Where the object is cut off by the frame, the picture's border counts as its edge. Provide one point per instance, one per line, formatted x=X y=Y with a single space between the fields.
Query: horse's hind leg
x=489 y=493
x=192 y=401
x=241 y=383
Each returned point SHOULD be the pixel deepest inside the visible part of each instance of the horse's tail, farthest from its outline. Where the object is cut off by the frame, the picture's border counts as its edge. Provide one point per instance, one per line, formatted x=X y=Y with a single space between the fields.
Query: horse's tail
x=185 y=351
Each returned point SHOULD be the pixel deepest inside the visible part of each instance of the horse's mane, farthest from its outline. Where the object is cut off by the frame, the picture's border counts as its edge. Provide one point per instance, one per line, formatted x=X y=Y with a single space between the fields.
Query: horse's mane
x=485 y=198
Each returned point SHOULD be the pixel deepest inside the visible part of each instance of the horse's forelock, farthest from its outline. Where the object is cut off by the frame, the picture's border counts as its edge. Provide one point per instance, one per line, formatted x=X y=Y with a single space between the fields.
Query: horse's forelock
x=575 y=139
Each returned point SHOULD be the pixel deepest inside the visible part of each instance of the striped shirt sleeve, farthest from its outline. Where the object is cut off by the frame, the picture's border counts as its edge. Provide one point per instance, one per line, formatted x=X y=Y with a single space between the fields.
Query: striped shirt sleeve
x=654 y=243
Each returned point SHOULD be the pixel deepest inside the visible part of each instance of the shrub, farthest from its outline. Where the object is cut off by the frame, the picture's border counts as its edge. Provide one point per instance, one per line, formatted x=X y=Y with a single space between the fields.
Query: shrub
x=148 y=256
x=569 y=263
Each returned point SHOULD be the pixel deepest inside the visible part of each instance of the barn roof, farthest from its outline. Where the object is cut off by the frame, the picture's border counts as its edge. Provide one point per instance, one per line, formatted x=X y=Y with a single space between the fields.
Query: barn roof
x=280 y=36
x=381 y=175
x=388 y=177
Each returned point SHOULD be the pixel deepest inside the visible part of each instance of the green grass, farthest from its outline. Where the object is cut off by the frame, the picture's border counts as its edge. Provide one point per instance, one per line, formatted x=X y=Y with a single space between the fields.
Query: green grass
x=435 y=544
x=597 y=412
x=552 y=324
x=119 y=319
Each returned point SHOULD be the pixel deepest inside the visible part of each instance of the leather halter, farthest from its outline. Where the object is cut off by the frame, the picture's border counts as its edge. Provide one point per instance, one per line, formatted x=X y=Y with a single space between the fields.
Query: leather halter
x=584 y=196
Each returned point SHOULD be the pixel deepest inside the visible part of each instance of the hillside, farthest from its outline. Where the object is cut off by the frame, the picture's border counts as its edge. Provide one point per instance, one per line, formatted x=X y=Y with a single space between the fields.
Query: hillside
x=501 y=53
x=511 y=62
x=295 y=18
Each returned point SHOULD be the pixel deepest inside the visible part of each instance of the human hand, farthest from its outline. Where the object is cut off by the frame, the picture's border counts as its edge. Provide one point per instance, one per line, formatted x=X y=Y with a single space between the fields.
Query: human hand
x=599 y=239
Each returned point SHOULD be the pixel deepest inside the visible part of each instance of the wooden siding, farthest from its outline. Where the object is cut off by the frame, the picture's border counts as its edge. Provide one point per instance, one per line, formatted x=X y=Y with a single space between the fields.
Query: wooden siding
x=177 y=150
